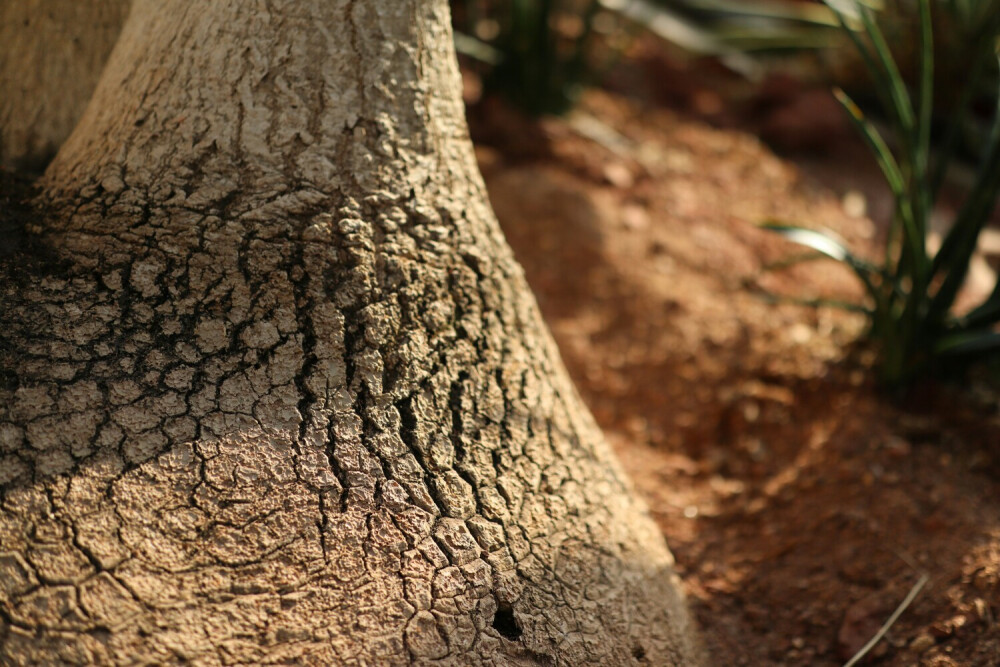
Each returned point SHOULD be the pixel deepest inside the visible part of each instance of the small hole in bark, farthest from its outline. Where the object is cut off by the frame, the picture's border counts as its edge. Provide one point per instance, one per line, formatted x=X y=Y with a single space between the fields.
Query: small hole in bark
x=505 y=623
x=9 y=381
x=101 y=634
x=639 y=652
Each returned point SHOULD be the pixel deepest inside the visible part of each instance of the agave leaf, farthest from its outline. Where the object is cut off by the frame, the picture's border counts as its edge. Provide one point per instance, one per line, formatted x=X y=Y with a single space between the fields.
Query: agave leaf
x=901 y=104
x=926 y=83
x=925 y=105
x=847 y=13
x=880 y=64
x=829 y=246
x=886 y=161
x=917 y=205
x=818 y=241
x=766 y=9
x=913 y=239
x=754 y=38
x=851 y=8
x=966 y=342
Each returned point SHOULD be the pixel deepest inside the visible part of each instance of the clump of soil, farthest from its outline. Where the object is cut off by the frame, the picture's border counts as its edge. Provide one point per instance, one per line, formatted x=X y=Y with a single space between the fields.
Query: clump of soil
x=802 y=504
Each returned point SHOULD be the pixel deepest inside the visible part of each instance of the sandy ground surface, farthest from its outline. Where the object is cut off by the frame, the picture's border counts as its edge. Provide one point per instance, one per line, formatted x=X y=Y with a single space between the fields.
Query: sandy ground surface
x=801 y=504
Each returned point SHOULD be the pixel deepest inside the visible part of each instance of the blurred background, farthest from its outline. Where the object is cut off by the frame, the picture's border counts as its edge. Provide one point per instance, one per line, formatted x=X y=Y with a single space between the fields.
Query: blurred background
x=730 y=61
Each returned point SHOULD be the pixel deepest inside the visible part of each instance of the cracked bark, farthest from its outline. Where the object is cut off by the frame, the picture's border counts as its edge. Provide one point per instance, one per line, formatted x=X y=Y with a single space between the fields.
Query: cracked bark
x=285 y=394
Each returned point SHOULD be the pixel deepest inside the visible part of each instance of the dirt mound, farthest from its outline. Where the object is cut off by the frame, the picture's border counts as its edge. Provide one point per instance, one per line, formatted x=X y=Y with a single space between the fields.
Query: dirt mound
x=802 y=505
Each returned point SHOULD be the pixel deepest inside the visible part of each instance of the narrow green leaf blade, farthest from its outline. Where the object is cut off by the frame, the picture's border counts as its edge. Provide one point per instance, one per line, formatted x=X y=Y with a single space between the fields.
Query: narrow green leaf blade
x=925 y=100
x=968 y=342
x=886 y=161
x=901 y=104
x=913 y=238
x=847 y=24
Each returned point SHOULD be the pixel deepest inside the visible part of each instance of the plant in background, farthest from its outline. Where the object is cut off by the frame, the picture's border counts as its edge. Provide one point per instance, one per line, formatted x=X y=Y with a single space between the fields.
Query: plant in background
x=727 y=27
x=912 y=292
x=540 y=53
x=536 y=52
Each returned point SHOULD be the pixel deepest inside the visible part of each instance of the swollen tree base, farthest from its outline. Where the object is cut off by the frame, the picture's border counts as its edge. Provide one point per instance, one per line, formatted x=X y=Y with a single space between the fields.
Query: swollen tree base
x=288 y=397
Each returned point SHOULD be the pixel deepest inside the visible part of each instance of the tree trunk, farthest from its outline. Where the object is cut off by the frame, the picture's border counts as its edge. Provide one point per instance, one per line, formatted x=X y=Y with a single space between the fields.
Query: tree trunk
x=282 y=393
x=52 y=55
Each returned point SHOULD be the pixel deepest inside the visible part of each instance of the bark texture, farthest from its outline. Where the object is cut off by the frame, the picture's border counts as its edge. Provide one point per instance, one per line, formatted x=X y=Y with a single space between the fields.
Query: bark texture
x=287 y=397
x=52 y=55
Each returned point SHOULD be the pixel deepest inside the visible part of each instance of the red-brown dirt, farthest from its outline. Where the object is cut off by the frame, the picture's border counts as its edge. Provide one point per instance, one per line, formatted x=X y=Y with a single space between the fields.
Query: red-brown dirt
x=801 y=503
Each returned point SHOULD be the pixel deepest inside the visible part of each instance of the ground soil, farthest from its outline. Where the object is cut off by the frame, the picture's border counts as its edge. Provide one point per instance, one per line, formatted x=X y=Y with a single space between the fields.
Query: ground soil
x=802 y=503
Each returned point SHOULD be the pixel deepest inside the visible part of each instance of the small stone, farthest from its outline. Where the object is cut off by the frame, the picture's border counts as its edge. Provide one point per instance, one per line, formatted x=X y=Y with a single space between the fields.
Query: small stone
x=635 y=217
x=618 y=175
x=922 y=642
x=983 y=610
x=898 y=447
x=854 y=204
x=800 y=333
x=941 y=629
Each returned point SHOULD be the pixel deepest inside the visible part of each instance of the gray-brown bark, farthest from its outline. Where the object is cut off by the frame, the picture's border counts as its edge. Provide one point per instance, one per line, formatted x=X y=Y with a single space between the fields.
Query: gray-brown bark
x=287 y=396
x=51 y=57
